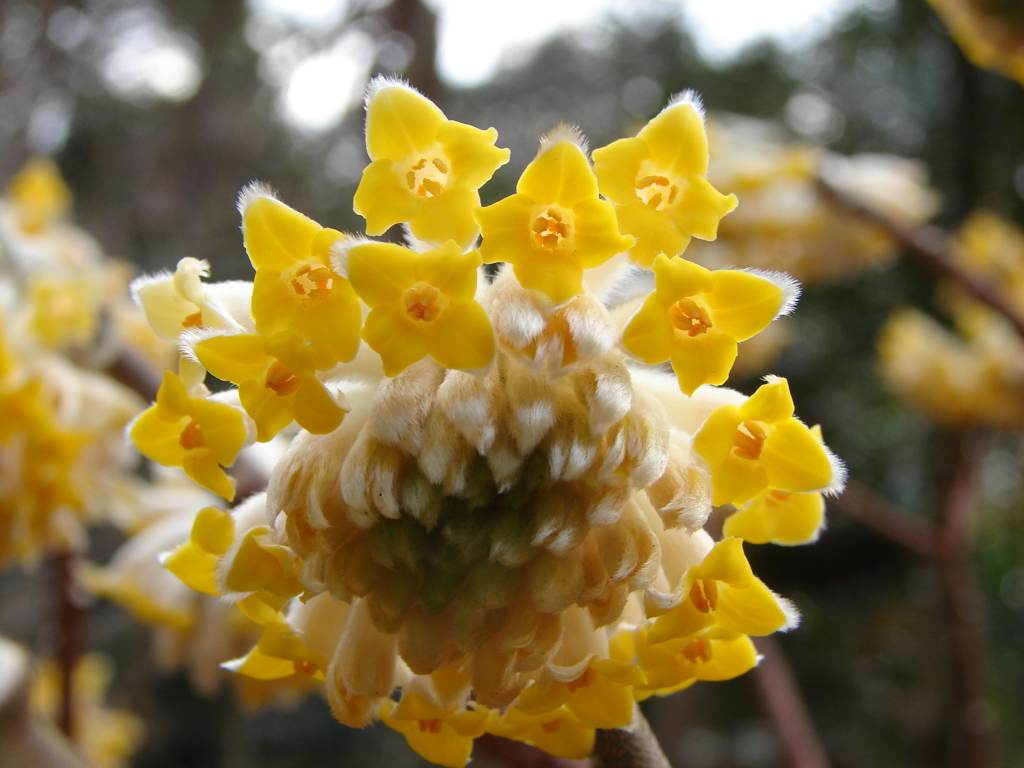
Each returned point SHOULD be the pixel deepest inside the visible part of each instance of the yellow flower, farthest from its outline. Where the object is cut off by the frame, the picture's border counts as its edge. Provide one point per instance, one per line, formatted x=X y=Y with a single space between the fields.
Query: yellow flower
x=296 y=288
x=39 y=194
x=440 y=734
x=424 y=169
x=65 y=308
x=722 y=592
x=559 y=733
x=779 y=517
x=602 y=696
x=194 y=433
x=714 y=654
x=760 y=444
x=658 y=181
x=276 y=378
x=695 y=317
x=421 y=304
x=555 y=226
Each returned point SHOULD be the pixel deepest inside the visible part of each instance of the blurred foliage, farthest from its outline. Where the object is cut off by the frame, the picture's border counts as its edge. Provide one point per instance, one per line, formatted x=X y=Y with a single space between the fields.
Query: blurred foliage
x=155 y=179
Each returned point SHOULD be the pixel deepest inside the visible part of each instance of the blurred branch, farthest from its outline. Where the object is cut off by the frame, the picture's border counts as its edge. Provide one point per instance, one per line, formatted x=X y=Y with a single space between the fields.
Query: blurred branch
x=780 y=696
x=965 y=602
x=868 y=508
x=928 y=249
x=632 y=747
x=70 y=622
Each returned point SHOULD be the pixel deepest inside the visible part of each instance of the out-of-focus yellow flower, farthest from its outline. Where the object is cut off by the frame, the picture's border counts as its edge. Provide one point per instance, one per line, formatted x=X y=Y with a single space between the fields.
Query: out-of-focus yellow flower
x=555 y=226
x=991 y=33
x=696 y=317
x=64 y=308
x=108 y=737
x=197 y=434
x=276 y=378
x=760 y=444
x=424 y=169
x=658 y=179
x=421 y=304
x=39 y=194
x=295 y=287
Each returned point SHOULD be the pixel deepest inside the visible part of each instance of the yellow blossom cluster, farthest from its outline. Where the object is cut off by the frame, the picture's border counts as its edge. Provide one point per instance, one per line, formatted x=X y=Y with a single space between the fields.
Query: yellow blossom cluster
x=108 y=736
x=972 y=373
x=990 y=33
x=62 y=457
x=785 y=223
x=490 y=517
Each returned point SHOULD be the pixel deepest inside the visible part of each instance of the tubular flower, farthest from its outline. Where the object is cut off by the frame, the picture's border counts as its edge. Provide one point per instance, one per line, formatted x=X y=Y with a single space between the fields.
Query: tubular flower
x=504 y=534
x=421 y=304
x=760 y=444
x=276 y=378
x=424 y=169
x=658 y=182
x=194 y=433
x=555 y=226
x=695 y=318
x=779 y=517
x=295 y=286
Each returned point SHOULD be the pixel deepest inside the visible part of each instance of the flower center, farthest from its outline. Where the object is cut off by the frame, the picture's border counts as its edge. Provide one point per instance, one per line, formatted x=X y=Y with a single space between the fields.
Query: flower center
x=551 y=228
x=704 y=595
x=195 y=320
x=313 y=283
x=433 y=725
x=428 y=176
x=582 y=681
x=656 y=192
x=698 y=650
x=749 y=440
x=777 y=499
x=281 y=380
x=551 y=727
x=307 y=668
x=423 y=302
x=688 y=316
x=192 y=436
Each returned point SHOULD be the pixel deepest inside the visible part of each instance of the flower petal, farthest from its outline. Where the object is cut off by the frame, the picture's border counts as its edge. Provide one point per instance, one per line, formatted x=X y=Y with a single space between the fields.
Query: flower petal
x=617 y=167
x=462 y=338
x=401 y=123
x=743 y=303
x=448 y=216
x=649 y=334
x=395 y=338
x=795 y=459
x=677 y=141
x=703 y=359
x=559 y=174
x=276 y=236
x=597 y=233
x=383 y=199
x=471 y=152
x=380 y=272
x=237 y=358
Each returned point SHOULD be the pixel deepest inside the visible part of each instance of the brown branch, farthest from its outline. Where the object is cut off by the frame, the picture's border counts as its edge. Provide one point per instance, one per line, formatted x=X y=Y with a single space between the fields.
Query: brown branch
x=780 y=696
x=964 y=600
x=868 y=508
x=928 y=249
x=516 y=754
x=70 y=620
x=632 y=747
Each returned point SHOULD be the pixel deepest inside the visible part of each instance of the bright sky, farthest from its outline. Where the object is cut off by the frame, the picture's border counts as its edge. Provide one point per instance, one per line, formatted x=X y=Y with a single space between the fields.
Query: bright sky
x=475 y=36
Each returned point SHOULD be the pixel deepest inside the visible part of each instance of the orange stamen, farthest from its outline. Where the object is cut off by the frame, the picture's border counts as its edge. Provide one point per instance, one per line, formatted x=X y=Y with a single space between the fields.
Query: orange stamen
x=192 y=436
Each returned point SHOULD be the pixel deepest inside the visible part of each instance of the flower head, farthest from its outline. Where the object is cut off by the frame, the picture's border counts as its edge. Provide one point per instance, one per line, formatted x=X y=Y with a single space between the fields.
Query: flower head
x=658 y=182
x=424 y=169
x=420 y=304
x=197 y=434
x=39 y=195
x=695 y=317
x=296 y=287
x=760 y=444
x=555 y=226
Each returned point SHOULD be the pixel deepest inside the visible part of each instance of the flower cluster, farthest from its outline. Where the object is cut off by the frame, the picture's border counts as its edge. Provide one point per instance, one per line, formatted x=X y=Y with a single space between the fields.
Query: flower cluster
x=62 y=457
x=974 y=373
x=785 y=223
x=491 y=518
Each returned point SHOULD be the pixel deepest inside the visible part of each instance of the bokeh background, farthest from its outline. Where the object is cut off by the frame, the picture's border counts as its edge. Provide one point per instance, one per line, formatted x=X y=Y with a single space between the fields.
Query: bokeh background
x=157 y=113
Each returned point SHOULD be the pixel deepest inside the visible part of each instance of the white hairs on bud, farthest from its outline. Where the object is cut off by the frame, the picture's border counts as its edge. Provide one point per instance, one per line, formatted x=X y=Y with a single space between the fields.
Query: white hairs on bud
x=380 y=82
x=788 y=284
x=564 y=132
x=252 y=192
x=689 y=96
